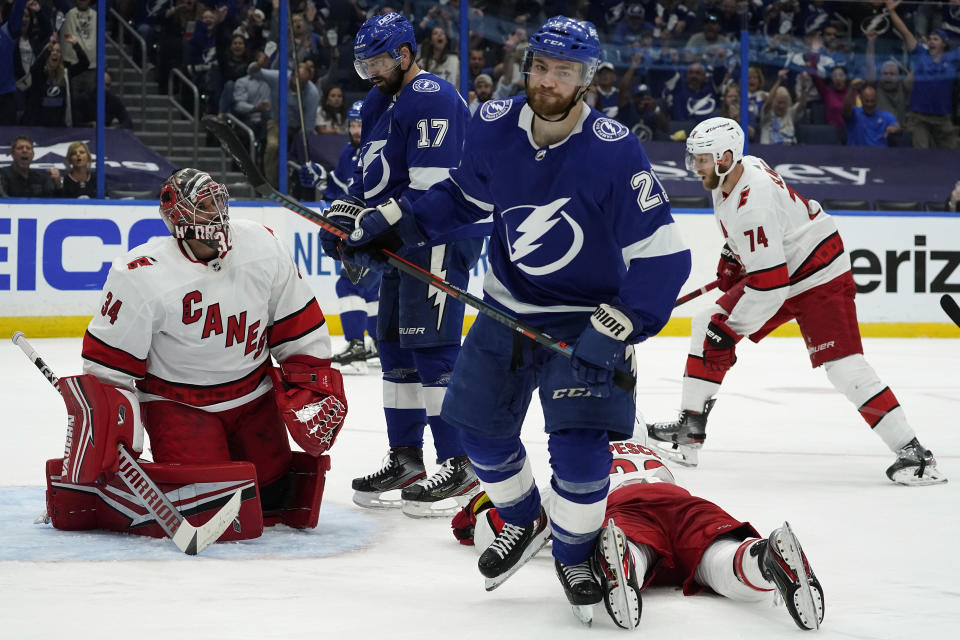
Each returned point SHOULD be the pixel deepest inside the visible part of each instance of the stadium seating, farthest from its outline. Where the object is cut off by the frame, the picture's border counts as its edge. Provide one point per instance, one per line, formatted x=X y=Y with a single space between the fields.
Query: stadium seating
x=845 y=205
x=897 y=205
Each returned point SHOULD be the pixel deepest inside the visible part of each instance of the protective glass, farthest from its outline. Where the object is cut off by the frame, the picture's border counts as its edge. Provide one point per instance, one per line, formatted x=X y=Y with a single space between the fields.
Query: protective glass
x=377 y=66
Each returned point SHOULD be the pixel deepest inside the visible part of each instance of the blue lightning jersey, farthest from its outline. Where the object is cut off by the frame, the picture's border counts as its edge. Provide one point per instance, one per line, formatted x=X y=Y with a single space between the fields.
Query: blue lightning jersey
x=411 y=142
x=343 y=174
x=581 y=222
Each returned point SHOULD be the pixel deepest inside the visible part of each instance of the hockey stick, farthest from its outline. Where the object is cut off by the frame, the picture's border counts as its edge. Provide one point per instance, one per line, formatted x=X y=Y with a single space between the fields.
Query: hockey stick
x=952 y=309
x=235 y=148
x=188 y=538
x=696 y=293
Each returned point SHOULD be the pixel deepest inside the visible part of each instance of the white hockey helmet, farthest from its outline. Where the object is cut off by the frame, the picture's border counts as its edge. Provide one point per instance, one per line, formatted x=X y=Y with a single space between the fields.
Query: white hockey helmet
x=715 y=136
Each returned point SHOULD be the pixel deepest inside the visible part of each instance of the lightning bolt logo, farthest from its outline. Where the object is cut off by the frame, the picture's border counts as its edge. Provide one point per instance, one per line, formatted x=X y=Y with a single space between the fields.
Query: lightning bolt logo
x=537 y=223
x=437 y=254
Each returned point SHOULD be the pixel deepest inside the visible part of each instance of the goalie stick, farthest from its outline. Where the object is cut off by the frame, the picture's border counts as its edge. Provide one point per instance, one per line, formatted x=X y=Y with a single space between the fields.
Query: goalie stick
x=952 y=309
x=228 y=139
x=188 y=538
x=696 y=293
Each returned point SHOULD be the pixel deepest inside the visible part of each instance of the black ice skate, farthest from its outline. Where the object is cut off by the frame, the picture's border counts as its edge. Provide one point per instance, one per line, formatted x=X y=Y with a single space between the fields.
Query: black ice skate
x=373 y=354
x=443 y=493
x=581 y=588
x=683 y=437
x=783 y=563
x=403 y=467
x=614 y=566
x=353 y=359
x=511 y=549
x=915 y=466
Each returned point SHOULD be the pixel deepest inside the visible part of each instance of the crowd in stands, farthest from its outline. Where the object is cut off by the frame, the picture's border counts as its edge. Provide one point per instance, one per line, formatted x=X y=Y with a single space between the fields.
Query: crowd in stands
x=873 y=72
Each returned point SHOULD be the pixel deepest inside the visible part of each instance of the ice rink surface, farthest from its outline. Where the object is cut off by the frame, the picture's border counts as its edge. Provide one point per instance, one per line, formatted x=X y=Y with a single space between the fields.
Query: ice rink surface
x=782 y=446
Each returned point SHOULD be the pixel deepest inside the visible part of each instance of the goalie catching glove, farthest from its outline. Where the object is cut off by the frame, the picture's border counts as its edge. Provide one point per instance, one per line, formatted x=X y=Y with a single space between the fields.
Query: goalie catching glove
x=311 y=401
x=602 y=348
x=100 y=417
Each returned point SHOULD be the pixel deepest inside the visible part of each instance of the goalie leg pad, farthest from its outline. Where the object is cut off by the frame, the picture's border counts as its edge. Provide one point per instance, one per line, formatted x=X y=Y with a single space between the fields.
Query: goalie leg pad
x=302 y=505
x=99 y=418
x=197 y=491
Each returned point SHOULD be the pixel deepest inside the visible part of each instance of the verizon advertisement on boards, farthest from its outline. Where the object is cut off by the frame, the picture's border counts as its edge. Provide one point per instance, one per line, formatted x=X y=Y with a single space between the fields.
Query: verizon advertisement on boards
x=54 y=258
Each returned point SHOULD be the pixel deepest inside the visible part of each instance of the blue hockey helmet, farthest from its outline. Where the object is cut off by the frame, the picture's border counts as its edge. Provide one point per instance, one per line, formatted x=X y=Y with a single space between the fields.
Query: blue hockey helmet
x=567 y=39
x=353 y=113
x=381 y=34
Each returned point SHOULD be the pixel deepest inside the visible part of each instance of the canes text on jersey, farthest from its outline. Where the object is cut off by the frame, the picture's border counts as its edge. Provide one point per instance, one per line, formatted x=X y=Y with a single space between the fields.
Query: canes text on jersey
x=237 y=331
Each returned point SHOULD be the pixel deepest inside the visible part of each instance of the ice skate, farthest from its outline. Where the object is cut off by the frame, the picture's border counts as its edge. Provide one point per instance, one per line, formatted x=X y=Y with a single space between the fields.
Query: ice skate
x=373 y=354
x=403 y=467
x=353 y=359
x=443 y=493
x=915 y=466
x=682 y=439
x=614 y=567
x=581 y=588
x=511 y=549
x=783 y=563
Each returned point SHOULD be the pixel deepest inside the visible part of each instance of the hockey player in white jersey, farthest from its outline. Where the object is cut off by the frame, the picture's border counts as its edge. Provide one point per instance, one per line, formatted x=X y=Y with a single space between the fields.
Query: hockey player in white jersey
x=783 y=260
x=583 y=247
x=659 y=534
x=184 y=337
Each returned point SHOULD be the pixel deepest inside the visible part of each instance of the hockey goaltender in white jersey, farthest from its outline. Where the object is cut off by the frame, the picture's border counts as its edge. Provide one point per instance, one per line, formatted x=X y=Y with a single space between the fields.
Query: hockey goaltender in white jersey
x=190 y=322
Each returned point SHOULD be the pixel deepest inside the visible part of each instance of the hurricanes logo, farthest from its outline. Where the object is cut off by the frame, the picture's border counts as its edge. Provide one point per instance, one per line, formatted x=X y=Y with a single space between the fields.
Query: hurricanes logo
x=525 y=238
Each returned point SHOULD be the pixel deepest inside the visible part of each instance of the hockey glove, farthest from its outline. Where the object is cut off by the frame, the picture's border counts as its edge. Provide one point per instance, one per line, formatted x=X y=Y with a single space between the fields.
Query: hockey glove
x=729 y=269
x=376 y=230
x=601 y=349
x=344 y=212
x=465 y=520
x=720 y=344
x=312 y=175
x=311 y=401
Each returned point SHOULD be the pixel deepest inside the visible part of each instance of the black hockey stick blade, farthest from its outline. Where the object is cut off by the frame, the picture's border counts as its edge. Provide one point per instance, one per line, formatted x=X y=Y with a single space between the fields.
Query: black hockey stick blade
x=232 y=145
x=228 y=139
x=951 y=307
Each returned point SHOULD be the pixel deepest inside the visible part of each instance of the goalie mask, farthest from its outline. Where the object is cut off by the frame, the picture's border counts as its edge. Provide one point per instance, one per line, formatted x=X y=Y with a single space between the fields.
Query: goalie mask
x=195 y=207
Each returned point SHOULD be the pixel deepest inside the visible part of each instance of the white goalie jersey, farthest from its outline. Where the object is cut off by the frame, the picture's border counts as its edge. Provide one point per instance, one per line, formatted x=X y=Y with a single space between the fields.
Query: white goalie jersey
x=786 y=243
x=177 y=328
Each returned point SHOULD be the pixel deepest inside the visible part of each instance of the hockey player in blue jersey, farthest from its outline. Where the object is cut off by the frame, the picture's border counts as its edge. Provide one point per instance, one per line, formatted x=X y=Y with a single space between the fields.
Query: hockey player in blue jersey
x=358 y=300
x=413 y=130
x=583 y=246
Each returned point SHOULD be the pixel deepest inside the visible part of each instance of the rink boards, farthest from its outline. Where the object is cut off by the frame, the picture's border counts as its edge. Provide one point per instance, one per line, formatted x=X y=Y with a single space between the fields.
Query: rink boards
x=54 y=258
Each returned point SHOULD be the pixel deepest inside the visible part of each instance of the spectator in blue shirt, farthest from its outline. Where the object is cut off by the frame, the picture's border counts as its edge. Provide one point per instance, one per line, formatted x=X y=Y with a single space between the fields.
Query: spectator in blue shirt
x=9 y=34
x=934 y=71
x=867 y=126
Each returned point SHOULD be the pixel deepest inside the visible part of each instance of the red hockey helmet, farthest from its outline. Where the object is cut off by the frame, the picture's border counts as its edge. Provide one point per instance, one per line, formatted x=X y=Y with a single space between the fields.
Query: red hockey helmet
x=195 y=206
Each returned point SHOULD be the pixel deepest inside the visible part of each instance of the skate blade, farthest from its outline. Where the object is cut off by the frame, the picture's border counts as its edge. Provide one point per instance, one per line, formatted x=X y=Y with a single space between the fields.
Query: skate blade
x=583 y=613
x=809 y=609
x=440 y=508
x=353 y=368
x=683 y=455
x=43 y=518
x=623 y=601
x=492 y=583
x=374 y=500
x=908 y=477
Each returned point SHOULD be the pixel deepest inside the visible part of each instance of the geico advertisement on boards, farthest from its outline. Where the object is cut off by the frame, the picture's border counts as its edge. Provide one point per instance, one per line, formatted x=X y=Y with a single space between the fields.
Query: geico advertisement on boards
x=54 y=258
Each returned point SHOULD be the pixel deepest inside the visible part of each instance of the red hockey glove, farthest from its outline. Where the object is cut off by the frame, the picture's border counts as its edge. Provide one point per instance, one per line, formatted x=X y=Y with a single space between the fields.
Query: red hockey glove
x=311 y=401
x=465 y=520
x=729 y=269
x=719 y=345
x=99 y=418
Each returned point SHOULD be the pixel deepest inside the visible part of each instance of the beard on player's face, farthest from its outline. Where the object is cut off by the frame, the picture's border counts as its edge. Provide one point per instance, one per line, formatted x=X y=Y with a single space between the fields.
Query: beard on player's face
x=550 y=102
